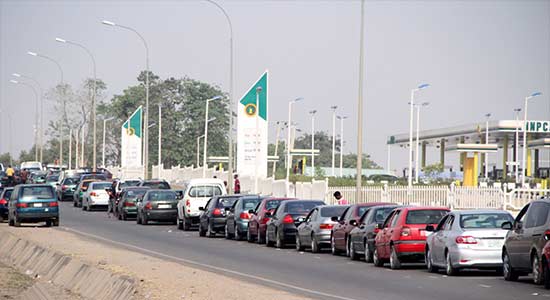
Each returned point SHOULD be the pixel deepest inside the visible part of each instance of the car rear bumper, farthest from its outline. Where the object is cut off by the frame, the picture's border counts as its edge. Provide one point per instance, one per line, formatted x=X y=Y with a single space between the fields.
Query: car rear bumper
x=241 y=225
x=162 y=215
x=289 y=233
x=67 y=194
x=463 y=258
x=410 y=250
x=323 y=237
x=218 y=224
x=37 y=216
x=99 y=201
x=129 y=210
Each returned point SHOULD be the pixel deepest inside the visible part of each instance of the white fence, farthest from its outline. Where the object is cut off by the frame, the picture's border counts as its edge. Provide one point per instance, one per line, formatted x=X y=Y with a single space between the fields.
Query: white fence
x=456 y=197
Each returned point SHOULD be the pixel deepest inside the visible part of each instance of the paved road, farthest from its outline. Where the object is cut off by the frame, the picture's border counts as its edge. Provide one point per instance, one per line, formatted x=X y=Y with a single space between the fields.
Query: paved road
x=320 y=276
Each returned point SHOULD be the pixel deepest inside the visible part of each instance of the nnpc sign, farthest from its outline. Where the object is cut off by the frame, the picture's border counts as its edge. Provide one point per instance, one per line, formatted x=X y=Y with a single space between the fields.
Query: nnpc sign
x=538 y=126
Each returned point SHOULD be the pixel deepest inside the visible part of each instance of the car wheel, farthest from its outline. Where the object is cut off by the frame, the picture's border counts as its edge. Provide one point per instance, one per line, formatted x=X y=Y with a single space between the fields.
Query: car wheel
x=185 y=224
x=180 y=224
x=201 y=231
x=124 y=216
x=144 y=220
x=55 y=223
x=376 y=259
x=546 y=274
x=333 y=249
x=449 y=269
x=368 y=253
x=1 y=219
x=49 y=223
x=280 y=243
x=209 y=232
x=10 y=221
x=84 y=207
x=508 y=271
x=259 y=239
x=249 y=237
x=429 y=262
x=236 y=234
x=138 y=218
x=74 y=204
x=16 y=222
x=267 y=242
x=299 y=246
x=394 y=259
x=226 y=233
x=314 y=244
x=351 y=251
x=537 y=270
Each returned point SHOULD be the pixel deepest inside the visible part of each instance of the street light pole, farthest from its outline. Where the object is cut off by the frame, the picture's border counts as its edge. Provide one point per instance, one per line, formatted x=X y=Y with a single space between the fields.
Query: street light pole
x=198 y=150
x=206 y=120
x=417 y=165
x=333 y=136
x=160 y=143
x=420 y=87
x=524 y=171
x=146 y=112
x=342 y=118
x=288 y=156
x=486 y=162
x=516 y=159
x=70 y=147
x=103 y=152
x=358 y=177
x=313 y=142
x=35 y=115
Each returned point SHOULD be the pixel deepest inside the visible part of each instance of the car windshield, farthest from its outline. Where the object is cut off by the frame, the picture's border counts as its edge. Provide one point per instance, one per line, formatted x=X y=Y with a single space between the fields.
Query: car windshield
x=381 y=214
x=36 y=192
x=101 y=185
x=71 y=181
x=133 y=194
x=52 y=178
x=205 y=191
x=362 y=209
x=162 y=195
x=157 y=185
x=272 y=204
x=7 y=194
x=250 y=203
x=332 y=211
x=227 y=202
x=483 y=221
x=425 y=216
x=128 y=183
x=301 y=207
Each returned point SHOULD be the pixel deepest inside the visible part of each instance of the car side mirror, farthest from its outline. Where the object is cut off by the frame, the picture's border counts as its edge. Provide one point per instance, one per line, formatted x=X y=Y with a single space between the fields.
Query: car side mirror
x=430 y=228
x=268 y=214
x=201 y=208
x=518 y=225
x=506 y=226
x=353 y=222
x=251 y=211
x=335 y=219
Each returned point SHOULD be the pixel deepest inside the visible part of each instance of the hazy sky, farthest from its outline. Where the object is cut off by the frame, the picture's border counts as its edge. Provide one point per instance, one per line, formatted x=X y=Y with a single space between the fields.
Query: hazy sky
x=479 y=56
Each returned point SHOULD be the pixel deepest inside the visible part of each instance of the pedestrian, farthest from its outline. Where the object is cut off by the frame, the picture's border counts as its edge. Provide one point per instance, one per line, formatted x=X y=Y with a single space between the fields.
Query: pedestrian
x=10 y=172
x=340 y=199
x=24 y=176
x=237 y=187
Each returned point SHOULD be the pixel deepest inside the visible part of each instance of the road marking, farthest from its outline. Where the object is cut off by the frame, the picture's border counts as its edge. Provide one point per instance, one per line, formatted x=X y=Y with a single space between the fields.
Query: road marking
x=259 y=278
x=485 y=286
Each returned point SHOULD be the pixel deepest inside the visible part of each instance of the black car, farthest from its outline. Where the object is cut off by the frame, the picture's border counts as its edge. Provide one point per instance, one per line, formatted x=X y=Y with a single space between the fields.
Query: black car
x=362 y=237
x=155 y=184
x=157 y=205
x=281 y=228
x=212 y=220
x=522 y=250
x=126 y=202
x=236 y=225
x=5 y=195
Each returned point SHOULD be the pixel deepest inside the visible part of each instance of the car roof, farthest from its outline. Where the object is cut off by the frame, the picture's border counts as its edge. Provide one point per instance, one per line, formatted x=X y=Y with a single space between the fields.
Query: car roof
x=137 y=188
x=425 y=208
x=479 y=211
x=103 y=181
x=372 y=204
x=278 y=199
x=205 y=180
x=35 y=185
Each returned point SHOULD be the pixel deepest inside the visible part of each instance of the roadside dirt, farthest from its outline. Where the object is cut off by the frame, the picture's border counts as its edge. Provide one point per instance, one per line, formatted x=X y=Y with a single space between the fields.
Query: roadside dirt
x=12 y=283
x=158 y=279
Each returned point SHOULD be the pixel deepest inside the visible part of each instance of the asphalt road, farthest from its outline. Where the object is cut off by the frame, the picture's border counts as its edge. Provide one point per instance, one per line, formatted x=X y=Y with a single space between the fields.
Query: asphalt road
x=320 y=276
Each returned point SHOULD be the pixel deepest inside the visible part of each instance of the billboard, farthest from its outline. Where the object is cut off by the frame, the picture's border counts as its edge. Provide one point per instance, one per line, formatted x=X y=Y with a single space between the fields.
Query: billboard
x=252 y=130
x=131 y=137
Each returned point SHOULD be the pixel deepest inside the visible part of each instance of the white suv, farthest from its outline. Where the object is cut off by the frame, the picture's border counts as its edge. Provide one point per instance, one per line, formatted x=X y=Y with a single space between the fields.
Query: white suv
x=196 y=192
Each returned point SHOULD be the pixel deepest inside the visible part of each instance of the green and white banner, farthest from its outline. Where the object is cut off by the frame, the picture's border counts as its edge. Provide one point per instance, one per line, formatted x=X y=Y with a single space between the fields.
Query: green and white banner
x=252 y=128
x=131 y=140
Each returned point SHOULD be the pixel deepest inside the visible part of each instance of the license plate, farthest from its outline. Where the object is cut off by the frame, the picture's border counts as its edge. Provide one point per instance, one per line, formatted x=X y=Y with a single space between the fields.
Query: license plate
x=37 y=205
x=165 y=206
x=493 y=243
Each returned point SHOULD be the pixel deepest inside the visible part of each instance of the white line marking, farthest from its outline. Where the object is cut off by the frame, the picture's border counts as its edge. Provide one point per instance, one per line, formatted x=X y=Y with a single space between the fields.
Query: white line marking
x=266 y=280
x=485 y=286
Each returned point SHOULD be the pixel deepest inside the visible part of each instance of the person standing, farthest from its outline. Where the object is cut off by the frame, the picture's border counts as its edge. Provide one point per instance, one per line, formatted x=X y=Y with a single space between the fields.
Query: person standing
x=340 y=199
x=10 y=172
x=237 y=187
x=24 y=176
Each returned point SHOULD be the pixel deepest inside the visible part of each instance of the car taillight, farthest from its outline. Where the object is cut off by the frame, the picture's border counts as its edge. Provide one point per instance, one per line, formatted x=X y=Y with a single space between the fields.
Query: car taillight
x=148 y=205
x=244 y=216
x=188 y=202
x=54 y=204
x=376 y=230
x=129 y=204
x=21 y=205
x=217 y=212
x=64 y=187
x=3 y=201
x=264 y=220
x=466 y=239
x=288 y=219
x=405 y=231
x=326 y=226
x=93 y=194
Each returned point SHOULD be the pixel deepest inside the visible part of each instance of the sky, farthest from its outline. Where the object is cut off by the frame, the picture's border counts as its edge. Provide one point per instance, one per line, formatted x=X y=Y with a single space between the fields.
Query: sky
x=479 y=57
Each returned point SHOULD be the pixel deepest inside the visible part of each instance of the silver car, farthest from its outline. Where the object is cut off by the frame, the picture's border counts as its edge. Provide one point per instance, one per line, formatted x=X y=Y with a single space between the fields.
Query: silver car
x=315 y=229
x=470 y=239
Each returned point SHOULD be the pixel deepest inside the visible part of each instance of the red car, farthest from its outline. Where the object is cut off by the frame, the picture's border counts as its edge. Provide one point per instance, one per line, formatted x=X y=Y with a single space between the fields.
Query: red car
x=403 y=235
x=257 y=223
x=339 y=241
x=546 y=260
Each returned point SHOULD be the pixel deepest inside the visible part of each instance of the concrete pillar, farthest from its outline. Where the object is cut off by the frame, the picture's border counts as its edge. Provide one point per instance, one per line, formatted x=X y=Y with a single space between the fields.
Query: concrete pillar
x=442 y=152
x=476 y=169
x=505 y=157
x=423 y=154
x=482 y=158
x=537 y=162
x=529 y=161
x=462 y=156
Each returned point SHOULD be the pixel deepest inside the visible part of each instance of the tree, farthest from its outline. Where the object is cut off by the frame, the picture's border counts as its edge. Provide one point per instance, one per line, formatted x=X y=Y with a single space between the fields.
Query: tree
x=433 y=170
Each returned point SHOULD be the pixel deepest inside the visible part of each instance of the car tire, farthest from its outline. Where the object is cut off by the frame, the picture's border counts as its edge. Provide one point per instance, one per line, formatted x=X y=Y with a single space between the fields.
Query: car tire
x=186 y=226
x=10 y=221
x=74 y=204
x=249 y=237
x=314 y=244
x=55 y=223
x=124 y=216
x=508 y=271
x=267 y=242
x=546 y=274
x=144 y=220
x=376 y=259
x=449 y=269
x=429 y=262
x=368 y=253
x=395 y=263
x=236 y=234
x=209 y=232
x=299 y=246
x=259 y=239
x=84 y=207
x=138 y=218
x=229 y=235
x=49 y=223
x=279 y=240
x=180 y=224
x=202 y=233
x=333 y=249
x=351 y=250
x=1 y=219
x=537 y=270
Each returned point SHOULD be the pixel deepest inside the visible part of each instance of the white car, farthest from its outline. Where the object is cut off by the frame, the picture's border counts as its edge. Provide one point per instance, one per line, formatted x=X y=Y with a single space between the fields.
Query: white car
x=196 y=192
x=96 y=195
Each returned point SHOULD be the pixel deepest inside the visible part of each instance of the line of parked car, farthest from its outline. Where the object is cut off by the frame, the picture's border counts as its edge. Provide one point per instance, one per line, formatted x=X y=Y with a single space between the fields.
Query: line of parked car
x=378 y=233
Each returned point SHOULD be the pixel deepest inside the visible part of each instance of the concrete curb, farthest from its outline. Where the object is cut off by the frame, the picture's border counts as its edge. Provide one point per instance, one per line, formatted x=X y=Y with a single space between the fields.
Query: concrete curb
x=65 y=271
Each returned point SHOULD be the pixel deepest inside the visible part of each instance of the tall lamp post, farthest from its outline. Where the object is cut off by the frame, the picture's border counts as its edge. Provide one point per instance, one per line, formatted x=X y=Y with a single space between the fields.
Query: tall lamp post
x=103 y=152
x=94 y=105
x=342 y=118
x=288 y=157
x=206 y=121
x=486 y=162
x=35 y=115
x=413 y=92
x=333 y=136
x=146 y=113
x=524 y=171
x=359 y=174
x=198 y=149
x=417 y=165
x=516 y=152
x=312 y=113
x=231 y=75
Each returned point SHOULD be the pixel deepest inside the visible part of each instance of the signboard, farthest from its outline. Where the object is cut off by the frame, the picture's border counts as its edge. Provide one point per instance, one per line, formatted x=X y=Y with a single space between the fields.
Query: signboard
x=538 y=126
x=252 y=130
x=131 y=140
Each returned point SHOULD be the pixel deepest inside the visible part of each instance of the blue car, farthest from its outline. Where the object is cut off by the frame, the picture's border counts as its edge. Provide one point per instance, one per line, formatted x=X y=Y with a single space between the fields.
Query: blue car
x=5 y=194
x=238 y=216
x=33 y=203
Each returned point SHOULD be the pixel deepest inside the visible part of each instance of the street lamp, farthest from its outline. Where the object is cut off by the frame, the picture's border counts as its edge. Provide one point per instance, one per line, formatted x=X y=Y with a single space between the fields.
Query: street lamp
x=341 y=118
x=231 y=75
x=198 y=147
x=313 y=112
x=206 y=121
x=333 y=135
x=413 y=92
x=103 y=152
x=417 y=167
x=146 y=113
x=94 y=152
x=486 y=160
x=359 y=167
x=524 y=171
x=516 y=159
x=288 y=156
x=35 y=115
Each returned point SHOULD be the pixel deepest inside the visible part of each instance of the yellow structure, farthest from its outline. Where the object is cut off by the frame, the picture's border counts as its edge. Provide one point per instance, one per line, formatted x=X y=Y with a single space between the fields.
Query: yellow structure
x=471 y=170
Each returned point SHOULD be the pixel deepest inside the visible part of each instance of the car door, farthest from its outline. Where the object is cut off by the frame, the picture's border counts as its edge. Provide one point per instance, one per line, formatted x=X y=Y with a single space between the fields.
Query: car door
x=340 y=228
x=272 y=224
x=535 y=234
x=307 y=228
x=356 y=234
x=385 y=234
x=230 y=219
x=205 y=213
x=512 y=243
x=438 y=240
x=526 y=236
